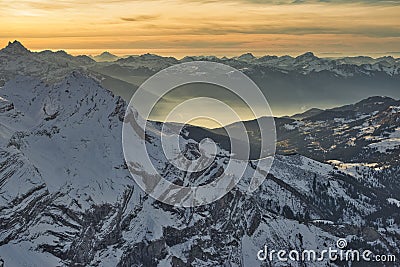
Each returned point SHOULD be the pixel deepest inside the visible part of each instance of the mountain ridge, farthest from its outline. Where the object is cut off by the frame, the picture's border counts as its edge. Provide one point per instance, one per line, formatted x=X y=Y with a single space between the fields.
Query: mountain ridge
x=285 y=81
x=245 y=56
x=105 y=57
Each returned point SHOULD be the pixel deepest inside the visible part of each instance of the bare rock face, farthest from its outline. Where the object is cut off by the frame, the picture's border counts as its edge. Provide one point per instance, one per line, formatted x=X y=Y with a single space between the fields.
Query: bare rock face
x=15 y=48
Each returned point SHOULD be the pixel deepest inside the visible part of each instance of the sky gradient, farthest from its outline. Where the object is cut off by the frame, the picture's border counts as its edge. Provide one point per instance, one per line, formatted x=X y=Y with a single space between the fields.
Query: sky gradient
x=223 y=28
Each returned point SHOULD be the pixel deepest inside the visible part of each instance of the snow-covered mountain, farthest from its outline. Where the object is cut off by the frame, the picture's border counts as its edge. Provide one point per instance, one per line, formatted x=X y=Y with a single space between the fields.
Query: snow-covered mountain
x=105 y=57
x=304 y=64
x=301 y=82
x=366 y=131
x=15 y=60
x=67 y=197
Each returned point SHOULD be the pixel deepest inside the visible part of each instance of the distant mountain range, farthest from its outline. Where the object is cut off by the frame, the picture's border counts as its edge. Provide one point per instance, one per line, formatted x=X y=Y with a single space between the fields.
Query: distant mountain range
x=291 y=84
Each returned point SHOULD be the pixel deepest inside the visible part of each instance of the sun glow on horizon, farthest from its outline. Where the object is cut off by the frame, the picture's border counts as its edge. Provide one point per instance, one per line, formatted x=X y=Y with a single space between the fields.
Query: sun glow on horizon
x=178 y=28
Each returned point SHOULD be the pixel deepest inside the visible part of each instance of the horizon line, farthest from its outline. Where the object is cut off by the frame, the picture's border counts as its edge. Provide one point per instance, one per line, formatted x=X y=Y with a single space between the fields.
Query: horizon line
x=256 y=54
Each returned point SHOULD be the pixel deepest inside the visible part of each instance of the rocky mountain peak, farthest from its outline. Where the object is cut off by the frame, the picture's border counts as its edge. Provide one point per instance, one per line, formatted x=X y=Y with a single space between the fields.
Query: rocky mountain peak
x=307 y=55
x=377 y=99
x=247 y=56
x=15 y=48
x=105 y=56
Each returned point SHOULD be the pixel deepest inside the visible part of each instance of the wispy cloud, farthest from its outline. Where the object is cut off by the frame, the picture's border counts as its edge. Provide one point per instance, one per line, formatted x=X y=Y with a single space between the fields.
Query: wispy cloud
x=199 y=25
x=54 y=5
x=287 y=2
x=372 y=30
x=140 y=18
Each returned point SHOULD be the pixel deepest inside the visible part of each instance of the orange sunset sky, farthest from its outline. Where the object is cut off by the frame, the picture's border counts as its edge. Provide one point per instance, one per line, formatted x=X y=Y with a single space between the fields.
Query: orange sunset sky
x=194 y=27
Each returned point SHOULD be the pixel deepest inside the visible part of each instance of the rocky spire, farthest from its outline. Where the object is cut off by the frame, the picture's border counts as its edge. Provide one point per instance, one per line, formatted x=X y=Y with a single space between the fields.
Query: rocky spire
x=15 y=48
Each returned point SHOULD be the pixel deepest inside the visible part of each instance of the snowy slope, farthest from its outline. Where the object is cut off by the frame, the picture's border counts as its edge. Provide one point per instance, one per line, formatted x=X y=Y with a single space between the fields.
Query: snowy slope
x=67 y=198
x=15 y=60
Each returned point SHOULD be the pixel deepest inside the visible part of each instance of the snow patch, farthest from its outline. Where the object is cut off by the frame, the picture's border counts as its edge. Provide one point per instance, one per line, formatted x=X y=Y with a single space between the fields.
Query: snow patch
x=394 y=202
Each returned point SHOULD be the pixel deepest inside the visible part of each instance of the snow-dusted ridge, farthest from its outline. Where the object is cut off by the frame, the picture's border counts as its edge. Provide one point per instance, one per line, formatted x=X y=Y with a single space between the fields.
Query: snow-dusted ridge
x=304 y=64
